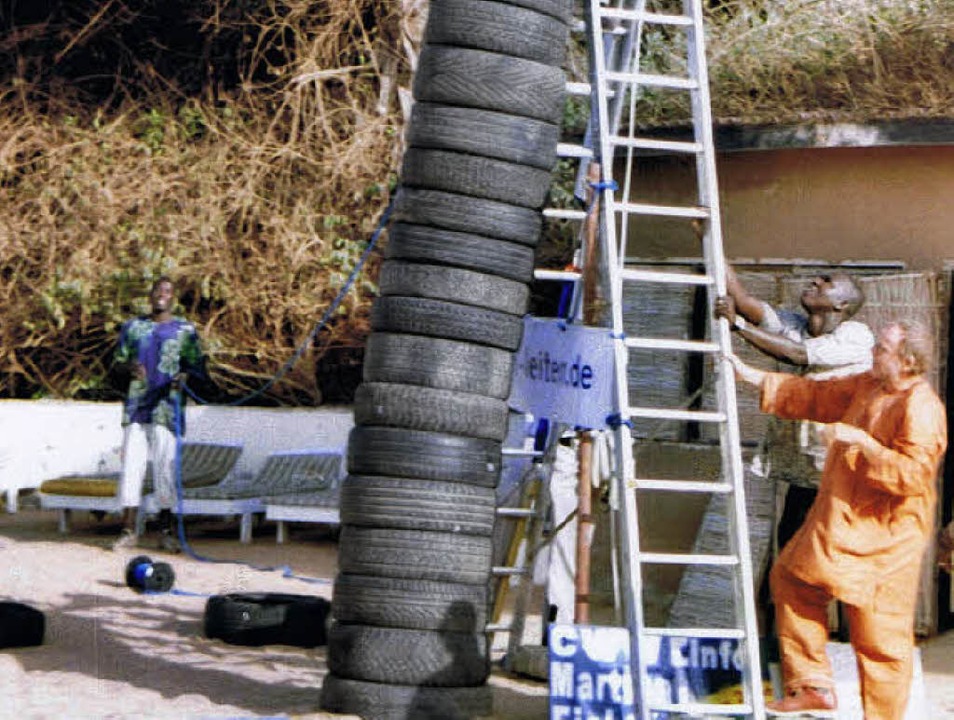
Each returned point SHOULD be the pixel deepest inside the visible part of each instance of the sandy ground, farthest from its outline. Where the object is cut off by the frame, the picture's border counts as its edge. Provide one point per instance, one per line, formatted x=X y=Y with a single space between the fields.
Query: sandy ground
x=113 y=653
x=110 y=652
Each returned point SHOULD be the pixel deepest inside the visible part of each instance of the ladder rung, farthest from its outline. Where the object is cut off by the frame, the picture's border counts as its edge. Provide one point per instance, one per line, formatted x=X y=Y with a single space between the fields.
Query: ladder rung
x=649 y=413
x=693 y=486
x=520 y=452
x=699 y=633
x=503 y=570
x=687 y=559
x=516 y=512
x=564 y=275
x=570 y=150
x=671 y=278
x=578 y=88
x=648 y=17
x=498 y=627
x=561 y=214
x=666 y=344
x=676 y=146
x=676 y=211
x=702 y=709
x=667 y=81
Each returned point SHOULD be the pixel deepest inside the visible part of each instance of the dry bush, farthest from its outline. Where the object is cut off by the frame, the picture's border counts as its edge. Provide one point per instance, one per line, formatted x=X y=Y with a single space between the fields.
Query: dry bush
x=258 y=197
x=813 y=60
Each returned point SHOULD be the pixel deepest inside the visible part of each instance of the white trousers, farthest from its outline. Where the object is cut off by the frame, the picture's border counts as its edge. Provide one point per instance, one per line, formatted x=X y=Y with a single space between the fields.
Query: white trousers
x=141 y=444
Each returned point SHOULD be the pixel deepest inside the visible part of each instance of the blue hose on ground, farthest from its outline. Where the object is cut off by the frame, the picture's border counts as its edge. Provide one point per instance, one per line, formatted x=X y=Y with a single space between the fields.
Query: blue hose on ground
x=180 y=518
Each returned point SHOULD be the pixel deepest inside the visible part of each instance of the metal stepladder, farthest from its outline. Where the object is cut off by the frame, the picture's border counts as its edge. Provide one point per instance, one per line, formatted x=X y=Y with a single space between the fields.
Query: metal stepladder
x=616 y=37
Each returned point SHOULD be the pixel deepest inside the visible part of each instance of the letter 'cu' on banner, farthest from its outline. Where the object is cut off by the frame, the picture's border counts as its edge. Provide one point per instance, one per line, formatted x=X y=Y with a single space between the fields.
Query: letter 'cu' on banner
x=564 y=373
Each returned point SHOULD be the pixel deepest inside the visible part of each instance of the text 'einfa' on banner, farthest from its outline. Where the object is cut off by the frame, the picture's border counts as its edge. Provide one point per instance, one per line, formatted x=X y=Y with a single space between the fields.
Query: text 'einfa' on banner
x=590 y=673
x=564 y=373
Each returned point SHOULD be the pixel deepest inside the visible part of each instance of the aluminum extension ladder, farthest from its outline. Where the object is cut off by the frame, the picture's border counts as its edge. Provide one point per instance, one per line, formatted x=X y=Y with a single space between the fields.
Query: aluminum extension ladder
x=616 y=31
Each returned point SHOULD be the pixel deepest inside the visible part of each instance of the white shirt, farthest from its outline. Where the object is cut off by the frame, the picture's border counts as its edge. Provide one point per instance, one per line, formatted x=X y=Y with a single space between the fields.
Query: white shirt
x=846 y=350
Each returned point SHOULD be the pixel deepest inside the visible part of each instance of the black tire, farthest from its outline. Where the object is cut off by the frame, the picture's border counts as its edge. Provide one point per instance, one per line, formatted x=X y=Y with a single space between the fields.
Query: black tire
x=484 y=132
x=438 y=318
x=255 y=619
x=560 y=9
x=21 y=625
x=453 y=284
x=463 y=250
x=498 y=27
x=415 y=554
x=438 y=363
x=415 y=504
x=380 y=701
x=412 y=604
x=399 y=452
x=489 y=81
x=408 y=657
x=469 y=215
x=421 y=408
x=475 y=176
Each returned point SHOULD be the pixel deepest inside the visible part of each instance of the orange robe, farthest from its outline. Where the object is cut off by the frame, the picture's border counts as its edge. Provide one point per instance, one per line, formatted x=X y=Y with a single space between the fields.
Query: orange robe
x=865 y=535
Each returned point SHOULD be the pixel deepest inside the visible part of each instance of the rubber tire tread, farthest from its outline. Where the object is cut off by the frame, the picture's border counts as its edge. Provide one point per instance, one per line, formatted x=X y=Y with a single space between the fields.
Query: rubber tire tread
x=415 y=504
x=412 y=604
x=442 y=319
x=408 y=657
x=485 y=133
x=255 y=619
x=475 y=176
x=415 y=554
x=387 y=701
x=466 y=214
x=489 y=81
x=399 y=452
x=478 y=253
x=438 y=363
x=21 y=625
x=560 y=9
x=498 y=27
x=421 y=408
x=455 y=285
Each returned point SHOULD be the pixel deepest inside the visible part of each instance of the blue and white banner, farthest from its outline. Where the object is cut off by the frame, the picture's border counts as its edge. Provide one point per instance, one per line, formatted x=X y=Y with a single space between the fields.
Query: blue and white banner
x=590 y=673
x=564 y=373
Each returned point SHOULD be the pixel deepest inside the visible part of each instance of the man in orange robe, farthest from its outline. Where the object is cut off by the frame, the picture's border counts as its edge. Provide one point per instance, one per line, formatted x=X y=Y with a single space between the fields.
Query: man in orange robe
x=865 y=535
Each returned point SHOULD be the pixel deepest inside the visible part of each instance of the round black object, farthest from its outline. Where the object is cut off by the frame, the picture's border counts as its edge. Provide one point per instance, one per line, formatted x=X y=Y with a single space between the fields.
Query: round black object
x=255 y=619
x=20 y=625
x=143 y=575
x=133 y=567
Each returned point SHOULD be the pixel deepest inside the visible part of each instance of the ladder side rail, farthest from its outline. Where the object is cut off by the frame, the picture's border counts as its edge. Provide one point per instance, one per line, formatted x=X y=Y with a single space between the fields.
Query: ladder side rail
x=629 y=524
x=729 y=431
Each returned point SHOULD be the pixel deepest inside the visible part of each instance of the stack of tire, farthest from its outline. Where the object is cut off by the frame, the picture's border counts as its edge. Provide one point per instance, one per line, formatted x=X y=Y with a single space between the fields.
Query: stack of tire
x=417 y=509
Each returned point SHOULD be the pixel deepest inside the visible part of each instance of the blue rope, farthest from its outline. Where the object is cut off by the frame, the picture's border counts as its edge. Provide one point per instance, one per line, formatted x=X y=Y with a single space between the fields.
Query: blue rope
x=615 y=421
x=296 y=356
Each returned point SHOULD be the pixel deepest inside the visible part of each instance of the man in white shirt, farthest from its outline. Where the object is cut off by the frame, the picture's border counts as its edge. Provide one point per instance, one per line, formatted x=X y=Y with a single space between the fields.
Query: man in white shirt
x=821 y=341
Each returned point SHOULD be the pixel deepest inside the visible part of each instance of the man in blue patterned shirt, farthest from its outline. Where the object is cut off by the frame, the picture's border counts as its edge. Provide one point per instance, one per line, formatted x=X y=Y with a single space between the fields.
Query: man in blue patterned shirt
x=157 y=352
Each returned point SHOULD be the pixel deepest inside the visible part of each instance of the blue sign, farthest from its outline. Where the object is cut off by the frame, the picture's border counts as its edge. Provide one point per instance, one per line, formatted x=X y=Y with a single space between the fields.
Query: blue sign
x=564 y=373
x=693 y=670
x=590 y=673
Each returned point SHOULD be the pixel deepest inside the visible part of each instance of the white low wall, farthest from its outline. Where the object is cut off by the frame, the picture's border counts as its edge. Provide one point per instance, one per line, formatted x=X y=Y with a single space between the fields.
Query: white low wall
x=44 y=439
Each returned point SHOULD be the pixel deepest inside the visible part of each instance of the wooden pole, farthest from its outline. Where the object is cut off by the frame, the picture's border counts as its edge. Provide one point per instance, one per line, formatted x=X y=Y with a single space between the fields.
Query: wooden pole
x=591 y=311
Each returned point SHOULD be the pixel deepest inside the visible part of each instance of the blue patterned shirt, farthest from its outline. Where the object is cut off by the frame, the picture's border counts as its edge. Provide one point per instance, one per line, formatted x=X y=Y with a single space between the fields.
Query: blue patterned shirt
x=164 y=349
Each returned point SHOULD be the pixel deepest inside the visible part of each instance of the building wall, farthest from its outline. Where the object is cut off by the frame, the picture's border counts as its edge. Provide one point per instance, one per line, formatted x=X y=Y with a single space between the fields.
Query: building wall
x=834 y=204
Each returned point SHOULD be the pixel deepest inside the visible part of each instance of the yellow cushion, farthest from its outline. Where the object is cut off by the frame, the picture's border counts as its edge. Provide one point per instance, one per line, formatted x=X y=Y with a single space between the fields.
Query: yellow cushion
x=82 y=486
